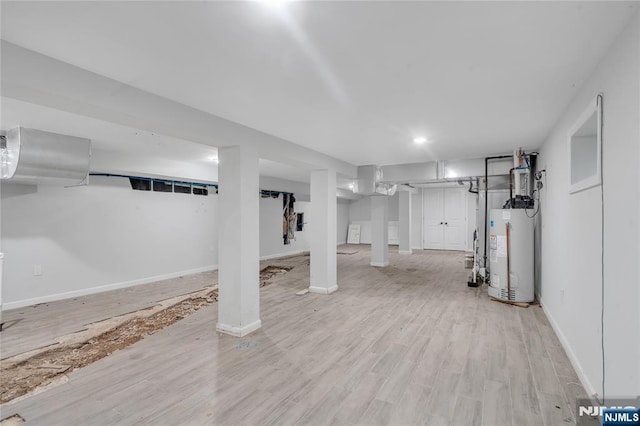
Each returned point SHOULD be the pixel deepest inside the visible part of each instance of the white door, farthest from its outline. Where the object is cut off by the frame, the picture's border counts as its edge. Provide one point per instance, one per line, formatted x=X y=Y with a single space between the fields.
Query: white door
x=445 y=218
x=455 y=218
x=433 y=218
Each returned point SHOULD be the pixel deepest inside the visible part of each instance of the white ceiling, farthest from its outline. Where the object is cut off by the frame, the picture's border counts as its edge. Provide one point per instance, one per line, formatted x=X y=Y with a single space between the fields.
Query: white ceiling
x=354 y=80
x=121 y=149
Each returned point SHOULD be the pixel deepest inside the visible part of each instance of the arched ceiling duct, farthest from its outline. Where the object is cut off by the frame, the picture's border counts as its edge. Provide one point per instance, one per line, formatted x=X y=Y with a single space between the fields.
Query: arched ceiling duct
x=37 y=157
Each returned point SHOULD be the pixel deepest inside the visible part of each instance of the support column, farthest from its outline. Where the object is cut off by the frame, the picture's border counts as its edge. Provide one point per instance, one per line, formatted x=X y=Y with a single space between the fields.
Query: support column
x=324 y=275
x=238 y=241
x=404 y=230
x=379 y=230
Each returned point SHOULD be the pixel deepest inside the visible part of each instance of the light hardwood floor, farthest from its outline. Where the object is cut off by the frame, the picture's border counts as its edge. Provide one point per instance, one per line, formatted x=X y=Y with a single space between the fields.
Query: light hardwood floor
x=405 y=344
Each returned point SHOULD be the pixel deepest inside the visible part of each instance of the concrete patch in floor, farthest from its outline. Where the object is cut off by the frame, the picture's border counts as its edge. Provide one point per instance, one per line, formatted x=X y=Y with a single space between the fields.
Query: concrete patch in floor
x=271 y=271
x=33 y=371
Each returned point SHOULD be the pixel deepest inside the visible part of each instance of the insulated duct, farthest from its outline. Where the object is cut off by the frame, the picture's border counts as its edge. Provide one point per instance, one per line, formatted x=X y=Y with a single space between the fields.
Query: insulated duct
x=368 y=177
x=37 y=157
x=369 y=182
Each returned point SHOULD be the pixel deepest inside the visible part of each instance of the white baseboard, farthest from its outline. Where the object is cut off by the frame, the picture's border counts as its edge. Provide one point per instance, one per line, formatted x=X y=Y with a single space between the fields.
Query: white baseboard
x=115 y=286
x=380 y=264
x=99 y=289
x=238 y=331
x=405 y=251
x=570 y=354
x=277 y=255
x=341 y=242
x=323 y=290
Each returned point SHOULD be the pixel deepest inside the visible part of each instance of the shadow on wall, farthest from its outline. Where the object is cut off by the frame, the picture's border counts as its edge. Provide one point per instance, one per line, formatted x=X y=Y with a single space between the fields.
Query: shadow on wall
x=10 y=190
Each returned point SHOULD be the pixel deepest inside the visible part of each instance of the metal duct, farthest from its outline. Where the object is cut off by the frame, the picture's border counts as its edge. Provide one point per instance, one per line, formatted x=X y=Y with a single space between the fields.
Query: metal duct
x=386 y=189
x=368 y=178
x=37 y=157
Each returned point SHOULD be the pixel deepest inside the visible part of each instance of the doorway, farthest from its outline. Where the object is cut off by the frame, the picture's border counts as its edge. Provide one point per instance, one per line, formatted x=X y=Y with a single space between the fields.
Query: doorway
x=445 y=218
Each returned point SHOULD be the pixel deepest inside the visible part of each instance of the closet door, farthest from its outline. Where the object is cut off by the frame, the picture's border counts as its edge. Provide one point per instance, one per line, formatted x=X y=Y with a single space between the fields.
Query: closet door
x=433 y=218
x=455 y=218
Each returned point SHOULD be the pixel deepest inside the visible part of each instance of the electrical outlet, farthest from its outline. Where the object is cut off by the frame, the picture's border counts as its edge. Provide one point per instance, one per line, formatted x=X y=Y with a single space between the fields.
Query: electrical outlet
x=37 y=270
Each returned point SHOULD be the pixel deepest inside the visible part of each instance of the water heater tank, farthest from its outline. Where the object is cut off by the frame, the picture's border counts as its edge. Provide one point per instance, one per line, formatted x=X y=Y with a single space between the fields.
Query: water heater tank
x=511 y=255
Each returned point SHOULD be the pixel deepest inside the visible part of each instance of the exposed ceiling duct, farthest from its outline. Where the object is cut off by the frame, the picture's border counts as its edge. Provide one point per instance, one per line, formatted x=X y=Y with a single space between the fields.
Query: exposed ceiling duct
x=37 y=157
x=369 y=182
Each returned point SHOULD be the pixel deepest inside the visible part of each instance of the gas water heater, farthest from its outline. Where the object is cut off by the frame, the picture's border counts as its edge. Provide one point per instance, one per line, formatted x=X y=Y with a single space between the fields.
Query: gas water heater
x=511 y=255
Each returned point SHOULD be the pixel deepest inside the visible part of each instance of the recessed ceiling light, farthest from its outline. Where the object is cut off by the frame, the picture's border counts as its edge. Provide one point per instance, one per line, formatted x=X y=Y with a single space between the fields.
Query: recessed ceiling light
x=420 y=140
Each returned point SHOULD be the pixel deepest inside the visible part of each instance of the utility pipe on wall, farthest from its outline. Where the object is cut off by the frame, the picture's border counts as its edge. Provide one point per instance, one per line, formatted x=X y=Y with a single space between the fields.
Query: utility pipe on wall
x=486 y=201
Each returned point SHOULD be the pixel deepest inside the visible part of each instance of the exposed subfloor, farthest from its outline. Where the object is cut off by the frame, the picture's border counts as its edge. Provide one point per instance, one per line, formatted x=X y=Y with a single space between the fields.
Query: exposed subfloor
x=405 y=344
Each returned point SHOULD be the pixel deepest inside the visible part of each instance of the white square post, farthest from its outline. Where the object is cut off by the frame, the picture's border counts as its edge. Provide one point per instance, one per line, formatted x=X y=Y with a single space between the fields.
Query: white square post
x=238 y=241
x=324 y=274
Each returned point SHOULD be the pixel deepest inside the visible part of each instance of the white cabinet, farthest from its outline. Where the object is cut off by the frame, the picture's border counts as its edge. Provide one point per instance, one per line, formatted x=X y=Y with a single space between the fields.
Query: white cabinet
x=445 y=219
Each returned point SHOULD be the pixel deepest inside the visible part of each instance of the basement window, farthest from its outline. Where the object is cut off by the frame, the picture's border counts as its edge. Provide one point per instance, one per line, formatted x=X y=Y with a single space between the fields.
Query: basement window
x=200 y=190
x=140 y=184
x=181 y=188
x=162 y=186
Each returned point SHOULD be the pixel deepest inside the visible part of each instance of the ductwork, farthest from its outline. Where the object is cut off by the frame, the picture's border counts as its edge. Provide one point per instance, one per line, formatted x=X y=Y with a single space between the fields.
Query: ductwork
x=37 y=157
x=369 y=182
x=368 y=176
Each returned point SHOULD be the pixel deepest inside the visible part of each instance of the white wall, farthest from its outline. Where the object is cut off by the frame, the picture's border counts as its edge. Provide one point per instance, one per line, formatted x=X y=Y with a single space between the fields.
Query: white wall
x=571 y=229
x=360 y=210
x=271 y=242
x=104 y=234
x=342 y=225
x=394 y=208
x=360 y=214
x=300 y=189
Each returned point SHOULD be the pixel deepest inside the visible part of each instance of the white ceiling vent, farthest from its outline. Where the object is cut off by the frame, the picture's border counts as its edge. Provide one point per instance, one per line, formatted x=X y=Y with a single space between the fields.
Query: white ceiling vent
x=37 y=157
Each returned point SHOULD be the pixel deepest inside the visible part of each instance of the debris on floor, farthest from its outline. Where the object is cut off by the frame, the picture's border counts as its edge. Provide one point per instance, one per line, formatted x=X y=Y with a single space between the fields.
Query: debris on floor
x=348 y=253
x=302 y=292
x=23 y=374
x=33 y=371
x=271 y=271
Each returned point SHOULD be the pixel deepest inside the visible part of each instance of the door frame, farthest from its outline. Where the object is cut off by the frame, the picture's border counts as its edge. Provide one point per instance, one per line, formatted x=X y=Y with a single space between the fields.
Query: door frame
x=445 y=186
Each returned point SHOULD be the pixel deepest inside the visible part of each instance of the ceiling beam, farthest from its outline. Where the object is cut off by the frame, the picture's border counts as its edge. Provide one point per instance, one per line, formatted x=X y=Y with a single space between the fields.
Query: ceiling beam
x=35 y=78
